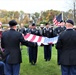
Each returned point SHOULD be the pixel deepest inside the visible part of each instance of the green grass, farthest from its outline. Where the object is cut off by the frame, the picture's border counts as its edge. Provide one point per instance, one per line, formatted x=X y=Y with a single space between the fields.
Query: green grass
x=41 y=67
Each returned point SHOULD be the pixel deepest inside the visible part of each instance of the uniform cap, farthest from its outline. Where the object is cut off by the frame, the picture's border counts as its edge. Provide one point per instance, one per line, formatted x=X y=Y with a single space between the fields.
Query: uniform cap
x=33 y=24
x=41 y=25
x=12 y=23
x=46 y=23
x=70 y=21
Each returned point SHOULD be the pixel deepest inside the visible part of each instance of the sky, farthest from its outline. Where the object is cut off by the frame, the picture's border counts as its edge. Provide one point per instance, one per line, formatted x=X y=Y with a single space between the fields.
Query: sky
x=32 y=6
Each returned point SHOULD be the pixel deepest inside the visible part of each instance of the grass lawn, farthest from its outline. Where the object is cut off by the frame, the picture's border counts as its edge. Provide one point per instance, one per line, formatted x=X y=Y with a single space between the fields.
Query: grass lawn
x=42 y=67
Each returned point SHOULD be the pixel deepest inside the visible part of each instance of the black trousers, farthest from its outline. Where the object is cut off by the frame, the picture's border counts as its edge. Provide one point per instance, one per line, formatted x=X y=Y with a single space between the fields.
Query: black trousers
x=47 y=52
x=58 y=56
x=68 y=70
x=2 y=68
x=33 y=54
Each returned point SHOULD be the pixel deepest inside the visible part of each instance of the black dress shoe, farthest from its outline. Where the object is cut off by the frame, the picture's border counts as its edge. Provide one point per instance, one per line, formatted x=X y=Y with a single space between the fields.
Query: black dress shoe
x=48 y=59
x=45 y=59
x=32 y=63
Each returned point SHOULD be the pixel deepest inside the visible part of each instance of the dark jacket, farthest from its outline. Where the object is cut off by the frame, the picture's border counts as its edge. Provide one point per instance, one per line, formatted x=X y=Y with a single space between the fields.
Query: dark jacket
x=58 y=30
x=10 y=41
x=67 y=44
x=35 y=31
x=48 y=32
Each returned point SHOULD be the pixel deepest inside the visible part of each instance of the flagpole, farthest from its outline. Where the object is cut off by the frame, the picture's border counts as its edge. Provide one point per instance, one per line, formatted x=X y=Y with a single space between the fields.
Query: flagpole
x=62 y=15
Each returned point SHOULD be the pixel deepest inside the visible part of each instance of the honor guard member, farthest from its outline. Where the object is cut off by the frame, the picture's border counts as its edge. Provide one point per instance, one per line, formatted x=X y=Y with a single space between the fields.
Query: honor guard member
x=58 y=31
x=33 y=50
x=47 y=32
x=67 y=44
x=22 y=29
x=60 y=28
x=28 y=30
x=10 y=41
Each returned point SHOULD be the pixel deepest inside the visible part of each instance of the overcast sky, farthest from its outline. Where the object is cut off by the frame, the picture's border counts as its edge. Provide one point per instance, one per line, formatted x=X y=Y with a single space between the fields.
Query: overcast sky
x=31 y=6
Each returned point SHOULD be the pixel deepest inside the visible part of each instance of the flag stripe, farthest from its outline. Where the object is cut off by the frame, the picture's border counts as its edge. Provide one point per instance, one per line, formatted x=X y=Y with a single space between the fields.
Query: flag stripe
x=36 y=38
x=32 y=39
x=27 y=36
x=39 y=39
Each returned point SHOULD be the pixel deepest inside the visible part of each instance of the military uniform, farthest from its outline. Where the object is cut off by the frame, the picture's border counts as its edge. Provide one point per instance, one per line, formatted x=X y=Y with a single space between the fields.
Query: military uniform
x=23 y=30
x=12 y=48
x=67 y=44
x=47 y=32
x=59 y=29
x=33 y=50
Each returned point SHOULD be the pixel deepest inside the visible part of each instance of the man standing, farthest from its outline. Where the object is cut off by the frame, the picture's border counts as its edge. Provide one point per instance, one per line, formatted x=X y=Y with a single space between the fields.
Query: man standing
x=10 y=41
x=22 y=29
x=33 y=50
x=58 y=31
x=47 y=32
x=60 y=28
x=67 y=44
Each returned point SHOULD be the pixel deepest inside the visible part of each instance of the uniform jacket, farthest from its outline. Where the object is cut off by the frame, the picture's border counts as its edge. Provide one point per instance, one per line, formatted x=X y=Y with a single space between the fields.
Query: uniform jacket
x=10 y=41
x=48 y=32
x=67 y=44
x=59 y=29
x=23 y=31
x=35 y=31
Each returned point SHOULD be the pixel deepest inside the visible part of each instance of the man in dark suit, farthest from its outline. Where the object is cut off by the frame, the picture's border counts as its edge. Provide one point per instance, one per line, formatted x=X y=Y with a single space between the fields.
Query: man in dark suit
x=10 y=41
x=67 y=44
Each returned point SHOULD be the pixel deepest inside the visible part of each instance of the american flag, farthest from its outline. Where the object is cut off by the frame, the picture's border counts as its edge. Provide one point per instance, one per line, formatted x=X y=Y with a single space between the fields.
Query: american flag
x=40 y=40
x=57 y=19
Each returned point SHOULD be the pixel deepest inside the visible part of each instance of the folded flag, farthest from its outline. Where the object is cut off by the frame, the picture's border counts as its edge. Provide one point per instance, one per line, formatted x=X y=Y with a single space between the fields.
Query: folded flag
x=40 y=40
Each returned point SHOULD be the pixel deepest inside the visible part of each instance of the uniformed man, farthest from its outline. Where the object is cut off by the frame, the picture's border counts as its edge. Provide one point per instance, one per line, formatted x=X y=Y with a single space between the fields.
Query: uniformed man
x=22 y=29
x=33 y=50
x=47 y=32
x=28 y=30
x=60 y=28
x=58 y=31
x=67 y=44
x=10 y=41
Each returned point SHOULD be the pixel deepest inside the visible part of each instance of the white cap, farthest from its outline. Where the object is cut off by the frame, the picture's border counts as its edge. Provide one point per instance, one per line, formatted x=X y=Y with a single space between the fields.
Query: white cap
x=42 y=25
